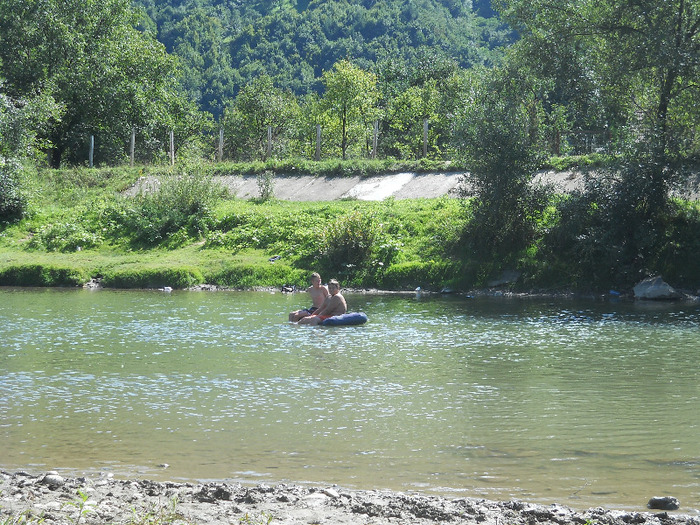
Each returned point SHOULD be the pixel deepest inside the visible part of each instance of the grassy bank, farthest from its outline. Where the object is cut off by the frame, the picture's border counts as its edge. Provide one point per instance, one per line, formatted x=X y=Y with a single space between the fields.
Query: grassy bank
x=79 y=226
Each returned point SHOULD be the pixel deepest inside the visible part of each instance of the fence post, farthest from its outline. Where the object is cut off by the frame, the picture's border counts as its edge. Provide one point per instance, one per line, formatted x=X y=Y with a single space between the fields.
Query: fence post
x=318 y=142
x=172 y=148
x=92 y=150
x=268 y=153
x=221 y=144
x=425 y=138
x=132 y=147
x=374 y=139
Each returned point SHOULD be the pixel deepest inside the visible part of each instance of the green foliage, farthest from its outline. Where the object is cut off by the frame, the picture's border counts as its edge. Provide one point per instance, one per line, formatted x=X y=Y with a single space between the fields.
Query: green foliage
x=42 y=275
x=261 y=122
x=179 y=203
x=158 y=514
x=350 y=104
x=262 y=519
x=609 y=235
x=580 y=162
x=333 y=167
x=257 y=275
x=352 y=240
x=65 y=237
x=621 y=228
x=24 y=518
x=625 y=66
x=103 y=75
x=426 y=274
x=80 y=505
x=224 y=46
x=499 y=137
x=266 y=185
x=152 y=277
x=13 y=202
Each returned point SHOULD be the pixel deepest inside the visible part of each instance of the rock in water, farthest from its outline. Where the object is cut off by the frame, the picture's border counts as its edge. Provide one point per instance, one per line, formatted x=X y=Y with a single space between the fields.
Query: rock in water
x=655 y=288
x=664 y=503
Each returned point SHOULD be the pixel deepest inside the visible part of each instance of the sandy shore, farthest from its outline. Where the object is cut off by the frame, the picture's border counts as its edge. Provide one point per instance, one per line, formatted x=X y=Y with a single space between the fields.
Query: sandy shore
x=54 y=499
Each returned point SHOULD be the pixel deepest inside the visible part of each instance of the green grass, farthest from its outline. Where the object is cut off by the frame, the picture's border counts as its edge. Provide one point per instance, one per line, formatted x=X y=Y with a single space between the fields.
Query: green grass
x=82 y=227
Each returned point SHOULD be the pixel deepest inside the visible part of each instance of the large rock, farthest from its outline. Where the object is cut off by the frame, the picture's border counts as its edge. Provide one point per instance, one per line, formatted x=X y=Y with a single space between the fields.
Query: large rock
x=655 y=288
x=507 y=277
x=664 y=503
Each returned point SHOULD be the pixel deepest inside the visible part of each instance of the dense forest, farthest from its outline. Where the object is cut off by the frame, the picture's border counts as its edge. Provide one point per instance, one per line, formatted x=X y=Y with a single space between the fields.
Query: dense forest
x=225 y=45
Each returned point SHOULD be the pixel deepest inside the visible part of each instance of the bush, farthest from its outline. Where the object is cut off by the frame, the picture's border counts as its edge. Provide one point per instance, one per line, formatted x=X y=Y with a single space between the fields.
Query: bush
x=178 y=277
x=13 y=203
x=251 y=275
x=426 y=274
x=42 y=275
x=500 y=138
x=180 y=202
x=65 y=237
x=619 y=230
x=349 y=240
x=266 y=185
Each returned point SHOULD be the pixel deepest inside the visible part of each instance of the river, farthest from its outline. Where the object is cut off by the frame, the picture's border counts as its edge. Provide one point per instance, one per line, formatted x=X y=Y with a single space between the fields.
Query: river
x=584 y=403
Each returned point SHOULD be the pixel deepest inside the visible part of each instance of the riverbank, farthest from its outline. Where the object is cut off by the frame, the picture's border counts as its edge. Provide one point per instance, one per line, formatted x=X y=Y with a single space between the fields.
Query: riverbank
x=54 y=499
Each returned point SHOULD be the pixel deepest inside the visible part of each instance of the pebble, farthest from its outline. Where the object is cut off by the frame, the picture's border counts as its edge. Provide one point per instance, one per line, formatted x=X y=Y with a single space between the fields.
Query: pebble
x=52 y=479
x=331 y=493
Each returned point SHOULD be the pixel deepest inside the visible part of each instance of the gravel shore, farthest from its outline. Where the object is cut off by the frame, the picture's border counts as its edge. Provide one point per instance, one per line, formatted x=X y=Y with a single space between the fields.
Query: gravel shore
x=51 y=498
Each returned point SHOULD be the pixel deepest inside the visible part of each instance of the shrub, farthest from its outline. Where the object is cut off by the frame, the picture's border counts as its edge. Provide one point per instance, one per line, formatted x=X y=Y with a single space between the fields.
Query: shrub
x=174 y=277
x=618 y=229
x=179 y=202
x=65 y=237
x=250 y=275
x=349 y=240
x=500 y=136
x=42 y=275
x=266 y=185
x=426 y=274
x=13 y=203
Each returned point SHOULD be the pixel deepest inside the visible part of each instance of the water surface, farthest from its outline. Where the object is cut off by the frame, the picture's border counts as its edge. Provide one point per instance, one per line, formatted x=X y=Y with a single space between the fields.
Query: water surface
x=577 y=402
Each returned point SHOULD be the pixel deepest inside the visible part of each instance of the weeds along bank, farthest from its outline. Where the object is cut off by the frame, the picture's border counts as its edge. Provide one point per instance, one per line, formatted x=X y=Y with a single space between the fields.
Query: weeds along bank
x=81 y=225
x=187 y=231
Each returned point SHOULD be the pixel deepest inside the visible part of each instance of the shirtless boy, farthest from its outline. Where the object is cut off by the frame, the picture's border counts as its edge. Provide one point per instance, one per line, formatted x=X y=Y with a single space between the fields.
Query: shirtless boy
x=318 y=294
x=334 y=305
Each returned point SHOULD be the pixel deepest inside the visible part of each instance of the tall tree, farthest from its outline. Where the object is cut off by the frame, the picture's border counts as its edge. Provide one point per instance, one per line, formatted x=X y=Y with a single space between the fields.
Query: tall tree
x=645 y=55
x=104 y=74
x=259 y=107
x=498 y=135
x=350 y=99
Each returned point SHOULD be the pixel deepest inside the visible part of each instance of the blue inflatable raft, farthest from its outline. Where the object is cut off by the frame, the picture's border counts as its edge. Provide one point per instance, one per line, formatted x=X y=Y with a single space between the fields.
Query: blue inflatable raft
x=348 y=319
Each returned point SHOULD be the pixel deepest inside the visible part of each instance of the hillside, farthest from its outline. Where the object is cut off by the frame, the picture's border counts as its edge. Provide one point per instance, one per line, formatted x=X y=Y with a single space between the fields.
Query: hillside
x=223 y=45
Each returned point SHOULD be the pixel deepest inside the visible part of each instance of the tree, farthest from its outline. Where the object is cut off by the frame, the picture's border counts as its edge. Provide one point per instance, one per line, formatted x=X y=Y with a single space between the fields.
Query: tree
x=406 y=114
x=498 y=136
x=260 y=107
x=644 y=55
x=20 y=121
x=350 y=99
x=641 y=61
x=86 y=54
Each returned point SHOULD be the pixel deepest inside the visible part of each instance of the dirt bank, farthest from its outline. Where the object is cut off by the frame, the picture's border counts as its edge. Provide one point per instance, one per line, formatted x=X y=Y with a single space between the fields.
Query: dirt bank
x=106 y=500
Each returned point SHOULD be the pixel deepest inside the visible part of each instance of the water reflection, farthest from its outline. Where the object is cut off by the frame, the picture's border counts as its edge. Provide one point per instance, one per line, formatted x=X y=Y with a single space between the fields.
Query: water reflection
x=582 y=403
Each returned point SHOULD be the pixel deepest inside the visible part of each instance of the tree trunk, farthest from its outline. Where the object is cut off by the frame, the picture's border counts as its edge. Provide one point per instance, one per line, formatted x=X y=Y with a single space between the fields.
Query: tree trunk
x=344 y=139
x=54 y=157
